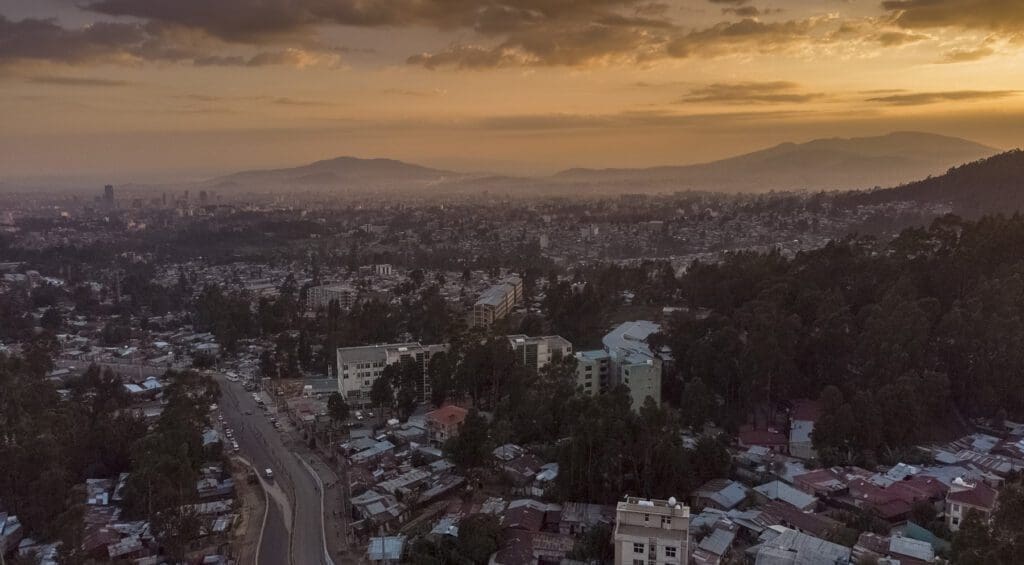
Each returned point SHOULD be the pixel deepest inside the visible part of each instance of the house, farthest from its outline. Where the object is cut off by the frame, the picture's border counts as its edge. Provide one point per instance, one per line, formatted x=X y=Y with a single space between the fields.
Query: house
x=386 y=549
x=783 y=546
x=895 y=501
x=778 y=490
x=801 y=425
x=578 y=517
x=713 y=548
x=721 y=494
x=902 y=550
x=769 y=438
x=444 y=423
x=963 y=497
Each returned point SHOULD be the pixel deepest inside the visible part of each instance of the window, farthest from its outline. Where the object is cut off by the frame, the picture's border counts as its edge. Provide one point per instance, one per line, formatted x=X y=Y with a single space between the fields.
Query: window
x=956 y=521
x=956 y=508
x=647 y=517
x=670 y=551
x=638 y=562
x=638 y=547
x=666 y=520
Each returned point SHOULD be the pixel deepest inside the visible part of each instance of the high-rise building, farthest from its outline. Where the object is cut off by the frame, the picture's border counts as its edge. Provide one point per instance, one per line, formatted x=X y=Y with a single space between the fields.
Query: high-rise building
x=108 y=196
x=497 y=301
x=651 y=532
x=359 y=367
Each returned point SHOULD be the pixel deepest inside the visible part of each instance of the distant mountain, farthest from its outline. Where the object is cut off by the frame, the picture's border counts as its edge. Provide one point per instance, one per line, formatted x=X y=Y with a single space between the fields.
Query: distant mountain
x=989 y=186
x=342 y=172
x=823 y=164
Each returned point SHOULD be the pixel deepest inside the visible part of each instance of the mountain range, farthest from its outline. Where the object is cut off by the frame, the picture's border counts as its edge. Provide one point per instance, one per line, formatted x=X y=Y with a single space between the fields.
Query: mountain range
x=823 y=164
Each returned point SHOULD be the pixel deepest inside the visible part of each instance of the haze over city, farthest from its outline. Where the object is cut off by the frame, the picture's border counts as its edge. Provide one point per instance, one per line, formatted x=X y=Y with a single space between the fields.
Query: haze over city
x=511 y=282
x=155 y=91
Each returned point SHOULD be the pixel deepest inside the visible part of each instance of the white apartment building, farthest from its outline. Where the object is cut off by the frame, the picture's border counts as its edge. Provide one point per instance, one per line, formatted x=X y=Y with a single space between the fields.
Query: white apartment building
x=626 y=359
x=537 y=352
x=318 y=297
x=651 y=532
x=593 y=371
x=359 y=367
x=497 y=301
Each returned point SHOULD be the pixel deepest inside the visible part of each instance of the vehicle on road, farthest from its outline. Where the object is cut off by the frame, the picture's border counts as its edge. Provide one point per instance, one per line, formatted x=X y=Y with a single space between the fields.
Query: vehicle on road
x=268 y=474
x=234 y=446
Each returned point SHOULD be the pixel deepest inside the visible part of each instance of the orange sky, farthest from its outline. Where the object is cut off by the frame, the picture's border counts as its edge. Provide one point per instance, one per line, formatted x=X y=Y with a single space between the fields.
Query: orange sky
x=146 y=89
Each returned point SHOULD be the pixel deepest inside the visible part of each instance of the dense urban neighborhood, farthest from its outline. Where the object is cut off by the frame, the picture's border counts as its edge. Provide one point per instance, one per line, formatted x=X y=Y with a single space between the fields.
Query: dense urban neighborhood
x=666 y=379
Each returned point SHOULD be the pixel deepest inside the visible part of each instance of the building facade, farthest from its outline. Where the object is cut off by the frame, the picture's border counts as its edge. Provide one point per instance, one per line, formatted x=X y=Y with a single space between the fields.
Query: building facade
x=627 y=360
x=651 y=532
x=318 y=297
x=496 y=302
x=537 y=352
x=359 y=367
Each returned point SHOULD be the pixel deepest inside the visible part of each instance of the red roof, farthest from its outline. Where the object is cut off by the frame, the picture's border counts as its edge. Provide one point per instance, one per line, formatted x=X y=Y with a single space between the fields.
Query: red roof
x=981 y=496
x=750 y=437
x=806 y=410
x=448 y=415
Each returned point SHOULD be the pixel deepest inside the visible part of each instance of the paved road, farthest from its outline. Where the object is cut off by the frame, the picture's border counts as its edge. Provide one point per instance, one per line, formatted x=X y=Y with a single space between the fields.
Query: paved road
x=295 y=524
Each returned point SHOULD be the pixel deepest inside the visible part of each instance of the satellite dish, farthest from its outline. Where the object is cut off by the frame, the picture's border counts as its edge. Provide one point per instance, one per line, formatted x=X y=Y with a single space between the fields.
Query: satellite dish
x=672 y=501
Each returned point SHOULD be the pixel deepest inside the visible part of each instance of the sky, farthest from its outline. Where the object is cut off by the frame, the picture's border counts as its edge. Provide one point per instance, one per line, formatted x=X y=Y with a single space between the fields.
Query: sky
x=150 y=90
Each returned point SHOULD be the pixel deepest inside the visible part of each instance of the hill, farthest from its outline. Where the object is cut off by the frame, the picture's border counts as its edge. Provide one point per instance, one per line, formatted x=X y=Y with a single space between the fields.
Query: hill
x=988 y=186
x=823 y=164
x=341 y=172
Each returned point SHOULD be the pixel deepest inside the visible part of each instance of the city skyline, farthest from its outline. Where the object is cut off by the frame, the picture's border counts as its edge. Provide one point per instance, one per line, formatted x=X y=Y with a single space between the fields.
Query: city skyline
x=145 y=90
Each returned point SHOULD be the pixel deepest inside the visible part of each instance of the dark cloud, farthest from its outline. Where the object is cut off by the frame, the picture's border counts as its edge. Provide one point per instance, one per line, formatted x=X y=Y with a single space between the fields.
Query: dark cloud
x=778 y=92
x=743 y=11
x=105 y=42
x=897 y=38
x=1002 y=16
x=924 y=98
x=78 y=81
x=967 y=55
x=748 y=35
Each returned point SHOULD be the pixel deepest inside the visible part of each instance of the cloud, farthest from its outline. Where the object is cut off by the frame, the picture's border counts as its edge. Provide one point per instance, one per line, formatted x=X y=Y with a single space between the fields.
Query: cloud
x=651 y=119
x=1000 y=16
x=78 y=81
x=897 y=38
x=105 y=42
x=747 y=35
x=733 y=2
x=779 y=92
x=924 y=98
x=967 y=55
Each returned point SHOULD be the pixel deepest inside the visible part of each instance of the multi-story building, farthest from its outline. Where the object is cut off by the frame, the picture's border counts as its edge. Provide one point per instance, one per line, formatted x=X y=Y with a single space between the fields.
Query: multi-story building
x=651 y=532
x=445 y=423
x=593 y=371
x=626 y=359
x=537 y=352
x=359 y=367
x=497 y=301
x=318 y=297
x=965 y=496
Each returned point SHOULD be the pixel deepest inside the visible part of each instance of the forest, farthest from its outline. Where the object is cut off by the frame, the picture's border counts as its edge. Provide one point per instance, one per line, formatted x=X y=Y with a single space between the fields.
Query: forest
x=902 y=341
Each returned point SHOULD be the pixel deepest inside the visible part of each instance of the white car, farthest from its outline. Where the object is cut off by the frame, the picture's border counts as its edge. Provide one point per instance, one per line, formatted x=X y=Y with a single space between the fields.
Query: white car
x=234 y=446
x=268 y=474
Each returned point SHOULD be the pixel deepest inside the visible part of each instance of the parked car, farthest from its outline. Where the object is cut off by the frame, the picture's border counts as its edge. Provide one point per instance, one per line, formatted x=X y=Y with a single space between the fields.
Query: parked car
x=268 y=474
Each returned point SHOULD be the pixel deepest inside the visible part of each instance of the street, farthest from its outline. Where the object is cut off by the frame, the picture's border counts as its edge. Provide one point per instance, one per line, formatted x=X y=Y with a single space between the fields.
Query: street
x=294 y=529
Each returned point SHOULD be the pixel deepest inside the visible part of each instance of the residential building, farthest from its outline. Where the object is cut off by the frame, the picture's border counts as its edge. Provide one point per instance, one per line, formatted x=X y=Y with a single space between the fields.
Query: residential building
x=593 y=371
x=963 y=497
x=359 y=367
x=497 y=301
x=651 y=532
x=444 y=423
x=537 y=352
x=801 y=426
x=627 y=360
x=318 y=297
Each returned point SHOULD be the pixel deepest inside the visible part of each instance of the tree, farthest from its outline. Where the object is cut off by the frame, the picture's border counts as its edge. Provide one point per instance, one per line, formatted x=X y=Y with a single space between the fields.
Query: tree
x=382 y=394
x=479 y=537
x=472 y=447
x=595 y=545
x=337 y=408
x=51 y=319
